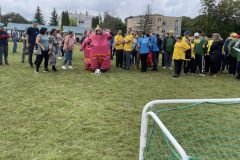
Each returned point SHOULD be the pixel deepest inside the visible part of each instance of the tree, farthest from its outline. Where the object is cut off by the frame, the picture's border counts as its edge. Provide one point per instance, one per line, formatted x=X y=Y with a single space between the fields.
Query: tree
x=95 y=22
x=112 y=23
x=146 y=20
x=14 y=18
x=54 y=18
x=39 y=16
x=65 y=19
x=73 y=22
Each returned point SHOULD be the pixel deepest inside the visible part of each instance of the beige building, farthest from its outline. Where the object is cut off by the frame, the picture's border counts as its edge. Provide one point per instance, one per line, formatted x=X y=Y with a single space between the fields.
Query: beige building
x=158 y=24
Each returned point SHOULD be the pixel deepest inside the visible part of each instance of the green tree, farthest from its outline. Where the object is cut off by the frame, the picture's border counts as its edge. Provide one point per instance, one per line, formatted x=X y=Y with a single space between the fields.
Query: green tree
x=95 y=21
x=39 y=16
x=73 y=22
x=14 y=18
x=146 y=20
x=54 y=18
x=65 y=19
x=112 y=23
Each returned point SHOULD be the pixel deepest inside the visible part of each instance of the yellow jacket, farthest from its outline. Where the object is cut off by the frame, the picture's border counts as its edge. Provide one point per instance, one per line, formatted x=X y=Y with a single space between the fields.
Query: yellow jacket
x=193 y=50
x=119 y=42
x=209 y=45
x=179 y=50
x=128 y=46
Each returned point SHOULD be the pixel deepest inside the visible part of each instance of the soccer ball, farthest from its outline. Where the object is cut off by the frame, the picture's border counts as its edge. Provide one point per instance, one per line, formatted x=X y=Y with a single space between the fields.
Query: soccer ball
x=98 y=71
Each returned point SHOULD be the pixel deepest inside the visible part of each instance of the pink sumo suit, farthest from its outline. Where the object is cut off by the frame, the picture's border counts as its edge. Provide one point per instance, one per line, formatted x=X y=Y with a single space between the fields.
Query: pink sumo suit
x=86 y=47
x=100 y=56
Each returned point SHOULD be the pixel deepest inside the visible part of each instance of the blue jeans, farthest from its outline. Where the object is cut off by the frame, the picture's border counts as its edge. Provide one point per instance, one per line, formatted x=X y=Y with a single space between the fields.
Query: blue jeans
x=15 y=46
x=68 y=58
x=4 y=51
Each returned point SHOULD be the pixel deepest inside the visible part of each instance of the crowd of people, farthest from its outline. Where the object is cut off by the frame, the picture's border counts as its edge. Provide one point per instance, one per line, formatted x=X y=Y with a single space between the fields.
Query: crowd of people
x=197 y=54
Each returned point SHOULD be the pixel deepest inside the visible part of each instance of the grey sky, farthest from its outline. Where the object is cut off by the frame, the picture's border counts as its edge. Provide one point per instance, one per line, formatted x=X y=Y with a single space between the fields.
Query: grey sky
x=120 y=8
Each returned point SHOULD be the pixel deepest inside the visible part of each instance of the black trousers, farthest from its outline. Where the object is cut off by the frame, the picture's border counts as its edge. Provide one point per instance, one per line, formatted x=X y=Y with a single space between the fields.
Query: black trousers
x=40 y=58
x=238 y=70
x=119 y=58
x=225 y=62
x=187 y=65
x=207 y=63
x=232 y=65
x=178 y=66
x=155 y=59
x=215 y=68
x=30 y=53
x=144 y=62
x=198 y=64
x=163 y=60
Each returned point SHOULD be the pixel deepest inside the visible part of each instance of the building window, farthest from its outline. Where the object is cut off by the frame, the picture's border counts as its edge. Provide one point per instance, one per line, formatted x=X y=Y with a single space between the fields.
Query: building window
x=177 y=22
x=159 y=19
x=163 y=31
x=81 y=22
x=164 y=23
x=158 y=28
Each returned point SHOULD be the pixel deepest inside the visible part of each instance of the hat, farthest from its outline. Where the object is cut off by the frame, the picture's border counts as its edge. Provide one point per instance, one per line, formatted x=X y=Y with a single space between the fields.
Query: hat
x=238 y=36
x=196 y=34
x=186 y=33
x=234 y=35
x=171 y=31
x=98 y=28
x=34 y=20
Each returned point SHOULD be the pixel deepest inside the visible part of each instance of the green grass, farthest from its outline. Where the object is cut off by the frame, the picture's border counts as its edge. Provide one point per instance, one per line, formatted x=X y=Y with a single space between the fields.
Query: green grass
x=75 y=114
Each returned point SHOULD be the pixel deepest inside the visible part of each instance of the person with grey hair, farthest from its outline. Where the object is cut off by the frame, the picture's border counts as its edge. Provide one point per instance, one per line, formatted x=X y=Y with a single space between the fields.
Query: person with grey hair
x=216 y=54
x=3 y=44
x=24 y=46
x=15 y=38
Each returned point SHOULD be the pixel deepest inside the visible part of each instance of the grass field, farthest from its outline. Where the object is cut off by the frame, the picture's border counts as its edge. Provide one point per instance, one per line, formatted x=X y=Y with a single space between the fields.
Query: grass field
x=76 y=115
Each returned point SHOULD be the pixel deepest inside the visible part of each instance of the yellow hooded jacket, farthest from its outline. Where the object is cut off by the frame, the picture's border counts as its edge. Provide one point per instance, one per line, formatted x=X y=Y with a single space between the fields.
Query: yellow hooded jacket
x=179 y=50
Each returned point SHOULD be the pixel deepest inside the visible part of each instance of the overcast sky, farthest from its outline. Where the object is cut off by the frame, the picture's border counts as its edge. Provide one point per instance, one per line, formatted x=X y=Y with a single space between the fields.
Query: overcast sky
x=120 y=8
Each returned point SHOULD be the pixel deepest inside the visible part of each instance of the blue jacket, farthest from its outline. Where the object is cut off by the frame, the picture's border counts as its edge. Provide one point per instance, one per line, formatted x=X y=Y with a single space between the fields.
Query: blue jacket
x=154 y=44
x=144 y=43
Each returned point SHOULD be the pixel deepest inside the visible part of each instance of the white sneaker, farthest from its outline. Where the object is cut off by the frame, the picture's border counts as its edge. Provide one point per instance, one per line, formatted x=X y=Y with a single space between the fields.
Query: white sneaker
x=59 y=57
x=164 y=67
x=64 y=67
x=202 y=75
x=70 y=67
x=171 y=68
x=36 y=72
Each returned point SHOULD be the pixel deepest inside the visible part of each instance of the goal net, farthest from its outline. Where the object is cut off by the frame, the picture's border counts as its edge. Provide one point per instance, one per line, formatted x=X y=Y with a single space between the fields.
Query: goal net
x=207 y=129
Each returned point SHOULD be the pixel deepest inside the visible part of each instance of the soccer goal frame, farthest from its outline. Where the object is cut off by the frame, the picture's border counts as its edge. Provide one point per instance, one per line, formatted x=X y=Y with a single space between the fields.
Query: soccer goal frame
x=146 y=114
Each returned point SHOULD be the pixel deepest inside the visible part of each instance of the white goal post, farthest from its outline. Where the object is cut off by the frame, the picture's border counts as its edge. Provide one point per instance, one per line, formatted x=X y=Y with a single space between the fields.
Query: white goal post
x=146 y=114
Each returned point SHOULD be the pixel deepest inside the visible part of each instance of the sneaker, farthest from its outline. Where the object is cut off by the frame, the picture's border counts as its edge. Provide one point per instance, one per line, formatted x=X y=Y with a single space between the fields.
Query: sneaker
x=59 y=57
x=175 y=76
x=171 y=68
x=202 y=75
x=164 y=67
x=45 y=70
x=35 y=71
x=64 y=67
x=70 y=67
x=0 y=64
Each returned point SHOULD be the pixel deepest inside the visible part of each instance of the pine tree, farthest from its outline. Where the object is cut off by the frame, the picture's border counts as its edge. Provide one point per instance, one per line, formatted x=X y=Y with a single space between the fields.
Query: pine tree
x=145 y=20
x=39 y=16
x=54 y=18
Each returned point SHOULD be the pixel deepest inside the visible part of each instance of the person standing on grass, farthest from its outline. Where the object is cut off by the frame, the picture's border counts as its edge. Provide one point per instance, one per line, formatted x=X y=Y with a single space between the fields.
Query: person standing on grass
x=232 y=58
x=216 y=54
x=207 y=56
x=155 y=51
x=53 y=49
x=144 y=47
x=3 y=45
x=24 y=47
x=199 y=54
x=42 y=41
x=168 y=47
x=60 y=41
x=68 y=50
x=128 y=42
x=32 y=33
x=119 y=49
x=15 y=39
x=237 y=55
x=179 y=55
x=134 y=51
